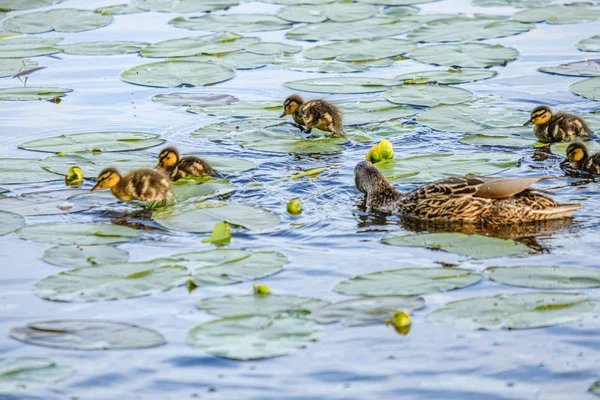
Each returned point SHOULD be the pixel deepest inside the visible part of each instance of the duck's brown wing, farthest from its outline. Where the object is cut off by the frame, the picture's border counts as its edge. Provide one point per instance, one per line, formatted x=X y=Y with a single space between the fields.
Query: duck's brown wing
x=501 y=188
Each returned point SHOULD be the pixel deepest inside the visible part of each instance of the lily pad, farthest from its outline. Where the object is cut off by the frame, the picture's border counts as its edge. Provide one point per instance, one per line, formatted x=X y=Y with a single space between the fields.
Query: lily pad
x=588 y=88
x=372 y=28
x=343 y=85
x=84 y=256
x=92 y=163
x=12 y=66
x=321 y=66
x=503 y=141
x=215 y=44
x=397 y=2
x=464 y=29
x=23 y=170
x=400 y=11
x=29 y=46
x=229 y=165
x=408 y=281
x=338 y=12
x=589 y=44
x=366 y=311
x=192 y=190
x=466 y=55
x=273 y=48
x=430 y=167
x=471 y=246
x=87 y=335
x=545 y=277
x=184 y=6
x=102 y=48
x=385 y=130
x=518 y=311
x=59 y=20
x=10 y=222
x=77 y=233
x=26 y=373
x=176 y=73
x=561 y=13
x=119 y=9
x=578 y=68
x=359 y=49
x=237 y=60
x=512 y=3
x=364 y=112
x=243 y=109
x=269 y=305
x=427 y=95
x=232 y=22
x=112 y=281
x=445 y=77
x=195 y=99
x=32 y=93
x=253 y=337
x=8 y=5
x=595 y=388
x=94 y=141
x=51 y=202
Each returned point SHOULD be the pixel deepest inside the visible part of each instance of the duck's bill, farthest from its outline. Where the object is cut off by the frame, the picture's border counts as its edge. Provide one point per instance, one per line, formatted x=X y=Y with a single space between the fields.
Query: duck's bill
x=95 y=188
x=529 y=122
x=282 y=115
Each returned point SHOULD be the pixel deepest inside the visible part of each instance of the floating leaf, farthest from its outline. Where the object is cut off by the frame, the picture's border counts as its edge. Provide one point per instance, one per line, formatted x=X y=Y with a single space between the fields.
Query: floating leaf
x=229 y=165
x=53 y=202
x=11 y=66
x=236 y=60
x=578 y=68
x=588 y=88
x=92 y=163
x=364 y=112
x=185 y=190
x=119 y=9
x=215 y=44
x=595 y=388
x=232 y=22
x=273 y=48
x=23 y=170
x=445 y=77
x=467 y=55
x=94 y=142
x=87 y=335
x=102 y=48
x=176 y=73
x=427 y=95
x=195 y=99
x=589 y=44
x=59 y=20
x=243 y=109
x=338 y=12
x=10 y=222
x=371 y=28
x=77 y=233
x=545 y=277
x=19 y=46
x=8 y=5
x=321 y=66
x=296 y=2
x=396 y=2
x=184 y=6
x=472 y=246
x=408 y=281
x=518 y=311
x=84 y=256
x=345 y=85
x=32 y=93
x=268 y=305
x=377 y=131
x=561 y=14
x=366 y=311
x=26 y=373
x=253 y=337
x=220 y=235
x=359 y=49
x=512 y=3
x=503 y=141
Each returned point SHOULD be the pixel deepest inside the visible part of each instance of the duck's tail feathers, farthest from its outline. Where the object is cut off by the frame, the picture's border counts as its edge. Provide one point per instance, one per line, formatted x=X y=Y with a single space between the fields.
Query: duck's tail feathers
x=560 y=211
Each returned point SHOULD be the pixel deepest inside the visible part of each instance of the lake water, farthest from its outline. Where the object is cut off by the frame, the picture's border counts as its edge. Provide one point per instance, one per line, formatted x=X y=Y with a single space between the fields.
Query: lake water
x=334 y=239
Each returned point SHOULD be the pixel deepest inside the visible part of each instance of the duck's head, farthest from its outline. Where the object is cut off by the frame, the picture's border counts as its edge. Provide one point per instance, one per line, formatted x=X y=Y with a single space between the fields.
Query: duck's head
x=291 y=105
x=576 y=152
x=539 y=116
x=368 y=179
x=108 y=178
x=168 y=157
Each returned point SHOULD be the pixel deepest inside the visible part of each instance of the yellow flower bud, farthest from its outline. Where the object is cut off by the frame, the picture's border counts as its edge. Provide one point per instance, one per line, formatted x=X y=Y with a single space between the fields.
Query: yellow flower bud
x=294 y=207
x=261 y=289
x=386 y=150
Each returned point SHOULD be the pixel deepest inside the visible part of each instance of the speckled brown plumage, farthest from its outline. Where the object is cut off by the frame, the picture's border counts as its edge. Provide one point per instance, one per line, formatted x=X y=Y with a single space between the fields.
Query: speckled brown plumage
x=291 y=106
x=138 y=184
x=176 y=167
x=322 y=115
x=579 y=157
x=559 y=127
x=469 y=199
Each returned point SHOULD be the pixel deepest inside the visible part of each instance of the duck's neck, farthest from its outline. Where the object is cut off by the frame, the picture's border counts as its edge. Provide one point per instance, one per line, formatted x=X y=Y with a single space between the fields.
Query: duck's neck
x=384 y=198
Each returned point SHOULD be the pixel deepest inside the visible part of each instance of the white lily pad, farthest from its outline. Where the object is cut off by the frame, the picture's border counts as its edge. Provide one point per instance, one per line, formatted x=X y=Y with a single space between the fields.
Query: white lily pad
x=343 y=84
x=119 y=9
x=75 y=256
x=77 y=233
x=87 y=335
x=195 y=99
x=23 y=170
x=53 y=202
x=588 y=88
x=102 y=48
x=445 y=77
x=59 y=20
x=545 y=277
x=184 y=6
x=12 y=66
x=589 y=44
x=561 y=13
x=92 y=163
x=94 y=141
x=579 y=68
x=471 y=246
x=427 y=95
x=408 y=281
x=338 y=12
x=359 y=49
x=215 y=44
x=243 y=109
x=364 y=112
x=10 y=222
x=372 y=28
x=27 y=373
x=28 y=46
x=8 y=5
x=366 y=311
x=253 y=337
x=32 y=93
x=269 y=305
x=321 y=66
x=231 y=22
x=518 y=311
x=273 y=48
x=467 y=55
x=176 y=73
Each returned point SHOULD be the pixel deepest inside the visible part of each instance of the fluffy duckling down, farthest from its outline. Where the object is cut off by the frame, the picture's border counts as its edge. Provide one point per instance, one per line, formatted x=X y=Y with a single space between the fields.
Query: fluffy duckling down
x=139 y=184
x=176 y=167
x=318 y=114
x=559 y=127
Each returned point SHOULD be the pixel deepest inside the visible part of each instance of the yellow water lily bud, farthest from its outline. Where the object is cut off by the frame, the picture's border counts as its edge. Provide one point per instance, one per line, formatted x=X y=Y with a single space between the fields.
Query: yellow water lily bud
x=373 y=154
x=261 y=289
x=294 y=207
x=386 y=150
x=74 y=176
x=400 y=319
x=61 y=154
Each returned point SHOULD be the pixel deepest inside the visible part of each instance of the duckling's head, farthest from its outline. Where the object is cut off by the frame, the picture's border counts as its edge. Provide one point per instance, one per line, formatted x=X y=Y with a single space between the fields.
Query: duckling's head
x=168 y=157
x=539 y=116
x=291 y=105
x=576 y=152
x=108 y=178
x=368 y=179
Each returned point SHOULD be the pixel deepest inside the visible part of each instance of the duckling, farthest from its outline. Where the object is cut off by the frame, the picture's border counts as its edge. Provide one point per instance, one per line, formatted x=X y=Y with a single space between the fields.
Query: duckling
x=578 y=155
x=322 y=115
x=170 y=163
x=559 y=127
x=291 y=106
x=466 y=199
x=138 y=184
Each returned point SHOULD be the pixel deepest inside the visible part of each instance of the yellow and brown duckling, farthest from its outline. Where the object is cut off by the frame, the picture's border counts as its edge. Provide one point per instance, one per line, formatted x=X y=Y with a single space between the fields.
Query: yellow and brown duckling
x=559 y=127
x=470 y=199
x=139 y=184
x=176 y=167
x=318 y=114
x=579 y=157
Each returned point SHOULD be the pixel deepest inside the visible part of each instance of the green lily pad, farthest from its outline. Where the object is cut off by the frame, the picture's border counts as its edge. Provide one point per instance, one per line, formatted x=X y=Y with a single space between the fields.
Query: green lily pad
x=343 y=85
x=466 y=55
x=176 y=73
x=92 y=163
x=26 y=373
x=273 y=48
x=77 y=233
x=10 y=222
x=231 y=22
x=51 y=202
x=268 y=305
x=94 y=141
x=215 y=44
x=253 y=337
x=19 y=46
x=578 y=68
x=366 y=311
x=427 y=95
x=195 y=99
x=512 y=3
x=192 y=190
x=32 y=93
x=396 y=2
x=59 y=20
x=408 y=281
x=102 y=48
x=119 y=9
x=321 y=66
x=505 y=141
x=87 y=335
x=112 y=281
x=372 y=28
x=471 y=246
x=400 y=11
x=595 y=388
x=561 y=13
x=8 y=5
x=338 y=12
x=589 y=44
x=296 y=2
x=236 y=60
x=184 y=6
x=445 y=77
x=364 y=112
x=272 y=135
x=385 y=130
x=545 y=277
x=75 y=256
x=23 y=170
x=588 y=88
x=518 y=311
x=12 y=66
x=243 y=109
x=359 y=49
x=229 y=165
x=201 y=218
x=463 y=29
x=561 y=148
